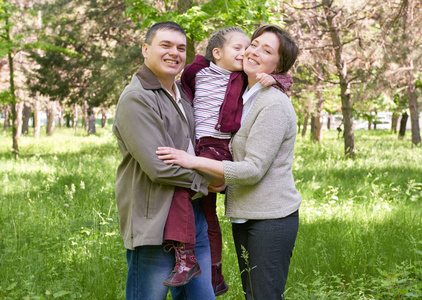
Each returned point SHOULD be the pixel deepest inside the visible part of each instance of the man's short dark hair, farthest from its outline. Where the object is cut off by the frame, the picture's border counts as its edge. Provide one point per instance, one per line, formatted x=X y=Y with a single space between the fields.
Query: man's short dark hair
x=162 y=26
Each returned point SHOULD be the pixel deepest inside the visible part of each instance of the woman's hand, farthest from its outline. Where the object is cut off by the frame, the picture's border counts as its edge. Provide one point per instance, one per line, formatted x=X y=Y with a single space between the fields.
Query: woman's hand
x=212 y=167
x=174 y=156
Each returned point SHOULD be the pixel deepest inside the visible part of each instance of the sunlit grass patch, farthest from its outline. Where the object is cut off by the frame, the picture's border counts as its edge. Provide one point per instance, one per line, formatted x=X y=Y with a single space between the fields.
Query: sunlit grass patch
x=360 y=234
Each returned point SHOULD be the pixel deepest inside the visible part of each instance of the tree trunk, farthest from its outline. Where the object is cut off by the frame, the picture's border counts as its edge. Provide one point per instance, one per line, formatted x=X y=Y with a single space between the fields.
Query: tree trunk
x=408 y=18
x=37 y=125
x=346 y=103
x=86 y=116
x=104 y=118
x=317 y=134
x=75 y=118
x=318 y=129
x=413 y=107
x=19 y=112
x=67 y=118
x=403 y=123
x=51 y=115
x=330 y=116
x=36 y=118
x=15 y=129
x=394 y=122
x=6 y=118
x=312 y=127
x=182 y=7
x=190 y=50
x=305 y=122
x=17 y=124
x=92 y=120
x=60 y=113
x=316 y=123
x=375 y=120
x=15 y=121
x=26 y=116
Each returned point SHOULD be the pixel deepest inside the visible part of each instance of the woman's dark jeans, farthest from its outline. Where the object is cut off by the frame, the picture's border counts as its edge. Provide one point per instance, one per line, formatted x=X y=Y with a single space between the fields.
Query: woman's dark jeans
x=269 y=245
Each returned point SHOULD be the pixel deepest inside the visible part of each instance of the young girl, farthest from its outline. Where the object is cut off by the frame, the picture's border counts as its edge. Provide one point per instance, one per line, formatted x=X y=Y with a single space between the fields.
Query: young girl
x=215 y=84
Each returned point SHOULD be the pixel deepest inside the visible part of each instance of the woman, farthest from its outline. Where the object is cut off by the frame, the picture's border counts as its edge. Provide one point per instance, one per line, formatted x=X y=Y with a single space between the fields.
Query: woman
x=261 y=199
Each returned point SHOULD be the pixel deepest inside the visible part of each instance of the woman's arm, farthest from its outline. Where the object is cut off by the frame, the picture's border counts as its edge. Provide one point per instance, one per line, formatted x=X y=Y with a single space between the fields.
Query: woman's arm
x=179 y=157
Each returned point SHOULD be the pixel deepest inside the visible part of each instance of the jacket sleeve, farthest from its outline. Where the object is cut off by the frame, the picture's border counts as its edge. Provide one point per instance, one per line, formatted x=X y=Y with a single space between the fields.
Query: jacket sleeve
x=189 y=74
x=140 y=129
x=284 y=81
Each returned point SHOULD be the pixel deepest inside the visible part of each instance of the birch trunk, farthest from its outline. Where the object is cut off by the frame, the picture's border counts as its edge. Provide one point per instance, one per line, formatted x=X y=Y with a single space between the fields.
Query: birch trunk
x=36 y=119
x=346 y=103
x=51 y=115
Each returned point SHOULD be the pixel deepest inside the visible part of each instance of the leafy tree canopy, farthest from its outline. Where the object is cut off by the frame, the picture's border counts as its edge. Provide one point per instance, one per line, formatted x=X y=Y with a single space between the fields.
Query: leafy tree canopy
x=207 y=16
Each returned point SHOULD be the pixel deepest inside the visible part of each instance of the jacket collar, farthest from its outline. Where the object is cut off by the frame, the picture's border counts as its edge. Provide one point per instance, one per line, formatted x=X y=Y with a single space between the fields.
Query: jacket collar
x=148 y=79
x=150 y=82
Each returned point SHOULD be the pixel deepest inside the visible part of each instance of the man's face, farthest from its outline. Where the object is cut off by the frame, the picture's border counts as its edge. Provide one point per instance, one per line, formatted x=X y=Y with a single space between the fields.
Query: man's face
x=165 y=56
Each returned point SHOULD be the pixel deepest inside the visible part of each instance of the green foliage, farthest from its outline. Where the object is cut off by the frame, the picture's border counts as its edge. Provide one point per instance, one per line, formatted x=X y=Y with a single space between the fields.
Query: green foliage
x=418 y=83
x=88 y=54
x=5 y=98
x=51 y=47
x=359 y=235
x=203 y=19
x=17 y=42
x=6 y=43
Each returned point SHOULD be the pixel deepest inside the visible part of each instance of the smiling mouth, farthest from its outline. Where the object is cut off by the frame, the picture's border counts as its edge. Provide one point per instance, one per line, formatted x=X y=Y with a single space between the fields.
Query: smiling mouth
x=252 y=61
x=170 y=61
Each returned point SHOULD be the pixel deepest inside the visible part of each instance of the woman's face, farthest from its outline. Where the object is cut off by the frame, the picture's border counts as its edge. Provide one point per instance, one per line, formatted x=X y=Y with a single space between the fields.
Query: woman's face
x=261 y=56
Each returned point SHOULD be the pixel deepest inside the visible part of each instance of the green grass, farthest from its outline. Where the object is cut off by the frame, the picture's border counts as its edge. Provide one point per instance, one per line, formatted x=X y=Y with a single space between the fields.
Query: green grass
x=360 y=234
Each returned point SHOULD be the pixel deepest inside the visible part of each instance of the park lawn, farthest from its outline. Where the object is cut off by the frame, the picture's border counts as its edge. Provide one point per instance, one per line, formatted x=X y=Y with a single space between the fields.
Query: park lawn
x=360 y=234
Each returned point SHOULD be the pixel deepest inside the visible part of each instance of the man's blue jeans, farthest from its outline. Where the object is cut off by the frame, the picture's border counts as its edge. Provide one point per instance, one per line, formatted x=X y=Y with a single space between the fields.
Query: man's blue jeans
x=148 y=266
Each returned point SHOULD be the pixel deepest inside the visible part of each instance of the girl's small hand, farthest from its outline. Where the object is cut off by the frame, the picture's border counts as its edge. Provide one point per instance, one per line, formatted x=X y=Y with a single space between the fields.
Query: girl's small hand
x=216 y=189
x=174 y=156
x=265 y=79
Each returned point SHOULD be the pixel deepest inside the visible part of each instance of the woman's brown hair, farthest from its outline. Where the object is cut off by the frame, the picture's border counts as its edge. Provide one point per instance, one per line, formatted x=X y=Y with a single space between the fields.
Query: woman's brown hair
x=288 y=50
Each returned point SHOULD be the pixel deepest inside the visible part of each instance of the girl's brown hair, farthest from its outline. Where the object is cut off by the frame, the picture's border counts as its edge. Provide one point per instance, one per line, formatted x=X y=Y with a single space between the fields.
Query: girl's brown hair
x=218 y=40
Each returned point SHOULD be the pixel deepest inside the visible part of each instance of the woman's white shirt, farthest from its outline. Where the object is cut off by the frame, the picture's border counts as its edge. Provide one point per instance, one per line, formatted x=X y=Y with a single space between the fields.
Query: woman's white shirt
x=249 y=98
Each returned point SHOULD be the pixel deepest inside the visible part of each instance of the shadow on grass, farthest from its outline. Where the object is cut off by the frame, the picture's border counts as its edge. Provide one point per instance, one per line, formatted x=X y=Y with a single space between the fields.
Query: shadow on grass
x=354 y=249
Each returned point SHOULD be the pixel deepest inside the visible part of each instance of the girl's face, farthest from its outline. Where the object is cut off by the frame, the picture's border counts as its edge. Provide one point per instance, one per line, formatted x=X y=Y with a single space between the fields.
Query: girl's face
x=230 y=57
x=261 y=56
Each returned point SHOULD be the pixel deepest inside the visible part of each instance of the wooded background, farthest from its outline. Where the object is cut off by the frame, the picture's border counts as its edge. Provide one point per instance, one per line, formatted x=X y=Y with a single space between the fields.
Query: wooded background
x=72 y=59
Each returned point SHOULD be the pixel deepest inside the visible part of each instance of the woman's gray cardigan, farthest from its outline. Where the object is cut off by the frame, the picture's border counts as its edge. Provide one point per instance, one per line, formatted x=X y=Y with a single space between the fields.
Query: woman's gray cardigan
x=260 y=180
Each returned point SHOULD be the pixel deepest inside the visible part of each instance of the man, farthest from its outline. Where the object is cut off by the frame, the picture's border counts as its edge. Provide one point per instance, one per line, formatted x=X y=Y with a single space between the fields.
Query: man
x=151 y=113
